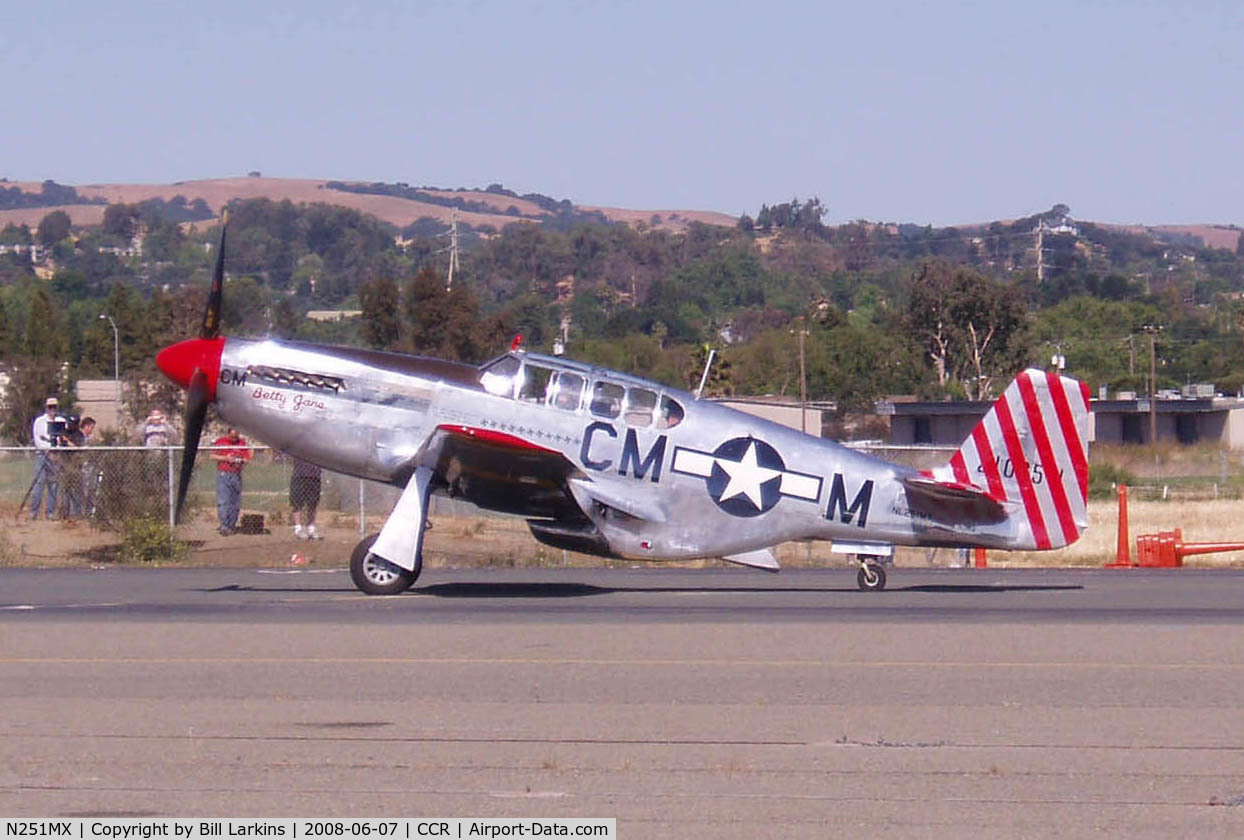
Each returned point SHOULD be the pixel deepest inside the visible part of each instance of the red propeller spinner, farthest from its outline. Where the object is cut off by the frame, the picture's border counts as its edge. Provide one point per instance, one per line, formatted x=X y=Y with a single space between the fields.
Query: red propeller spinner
x=179 y=361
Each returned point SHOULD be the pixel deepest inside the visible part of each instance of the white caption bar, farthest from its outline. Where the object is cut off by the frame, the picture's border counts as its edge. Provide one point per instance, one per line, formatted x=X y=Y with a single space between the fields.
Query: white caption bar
x=311 y=829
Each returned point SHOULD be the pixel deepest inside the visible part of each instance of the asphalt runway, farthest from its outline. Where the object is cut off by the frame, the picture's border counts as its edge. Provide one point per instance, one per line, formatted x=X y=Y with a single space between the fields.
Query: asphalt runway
x=710 y=703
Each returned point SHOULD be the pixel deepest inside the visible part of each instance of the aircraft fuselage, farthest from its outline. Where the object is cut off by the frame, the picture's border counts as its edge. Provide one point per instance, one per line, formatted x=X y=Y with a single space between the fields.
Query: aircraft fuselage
x=660 y=474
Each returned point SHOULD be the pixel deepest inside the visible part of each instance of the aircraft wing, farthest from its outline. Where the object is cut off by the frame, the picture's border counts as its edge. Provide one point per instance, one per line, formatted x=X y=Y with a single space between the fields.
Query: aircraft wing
x=501 y=471
x=952 y=503
x=619 y=497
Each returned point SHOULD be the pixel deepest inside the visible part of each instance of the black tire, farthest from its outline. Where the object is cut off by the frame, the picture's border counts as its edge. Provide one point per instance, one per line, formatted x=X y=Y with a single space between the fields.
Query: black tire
x=871 y=577
x=376 y=576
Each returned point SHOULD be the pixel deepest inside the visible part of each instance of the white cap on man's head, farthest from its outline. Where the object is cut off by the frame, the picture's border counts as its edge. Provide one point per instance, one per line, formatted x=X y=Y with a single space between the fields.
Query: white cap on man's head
x=52 y=402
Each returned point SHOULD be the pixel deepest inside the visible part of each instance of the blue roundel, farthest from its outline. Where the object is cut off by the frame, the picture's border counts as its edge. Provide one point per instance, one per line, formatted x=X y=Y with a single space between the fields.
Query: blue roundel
x=747 y=476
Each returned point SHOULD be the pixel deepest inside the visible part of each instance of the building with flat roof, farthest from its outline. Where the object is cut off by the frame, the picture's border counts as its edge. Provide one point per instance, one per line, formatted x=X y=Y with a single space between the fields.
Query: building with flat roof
x=1185 y=420
x=99 y=398
x=783 y=410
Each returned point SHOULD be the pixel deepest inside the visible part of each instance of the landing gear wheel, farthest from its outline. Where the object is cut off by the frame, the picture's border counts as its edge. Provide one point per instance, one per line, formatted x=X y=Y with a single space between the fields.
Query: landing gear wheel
x=376 y=576
x=871 y=577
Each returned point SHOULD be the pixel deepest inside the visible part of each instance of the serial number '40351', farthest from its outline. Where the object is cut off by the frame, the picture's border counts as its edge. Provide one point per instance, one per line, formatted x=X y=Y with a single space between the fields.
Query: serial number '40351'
x=1005 y=466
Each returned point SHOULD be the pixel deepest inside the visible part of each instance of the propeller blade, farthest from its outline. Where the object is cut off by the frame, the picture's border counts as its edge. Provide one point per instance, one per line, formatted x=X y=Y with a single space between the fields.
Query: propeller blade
x=211 y=312
x=196 y=413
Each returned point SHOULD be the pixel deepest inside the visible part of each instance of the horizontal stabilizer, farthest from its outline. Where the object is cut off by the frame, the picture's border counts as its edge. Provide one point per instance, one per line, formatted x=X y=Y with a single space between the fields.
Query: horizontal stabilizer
x=952 y=503
x=762 y=559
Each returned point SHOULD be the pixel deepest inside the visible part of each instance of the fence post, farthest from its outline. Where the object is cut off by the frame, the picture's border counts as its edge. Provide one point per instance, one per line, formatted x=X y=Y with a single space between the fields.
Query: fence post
x=172 y=498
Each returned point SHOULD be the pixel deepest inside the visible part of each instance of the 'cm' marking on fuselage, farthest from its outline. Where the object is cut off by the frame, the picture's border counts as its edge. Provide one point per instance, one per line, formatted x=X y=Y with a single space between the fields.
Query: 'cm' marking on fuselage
x=631 y=461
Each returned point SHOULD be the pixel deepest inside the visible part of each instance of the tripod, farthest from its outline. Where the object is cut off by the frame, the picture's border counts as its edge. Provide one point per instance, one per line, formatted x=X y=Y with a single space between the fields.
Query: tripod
x=48 y=474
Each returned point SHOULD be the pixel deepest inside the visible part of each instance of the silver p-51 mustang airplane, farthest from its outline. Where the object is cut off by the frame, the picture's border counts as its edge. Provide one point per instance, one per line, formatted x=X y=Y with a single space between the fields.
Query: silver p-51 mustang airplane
x=614 y=465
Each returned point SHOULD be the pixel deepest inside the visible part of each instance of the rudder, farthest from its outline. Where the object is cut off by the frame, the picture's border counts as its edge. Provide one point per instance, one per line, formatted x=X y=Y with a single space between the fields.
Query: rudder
x=1030 y=451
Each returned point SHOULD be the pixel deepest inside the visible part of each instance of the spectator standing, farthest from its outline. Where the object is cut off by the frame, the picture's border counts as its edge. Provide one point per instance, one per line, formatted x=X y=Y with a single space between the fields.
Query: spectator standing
x=155 y=430
x=231 y=456
x=70 y=457
x=90 y=469
x=46 y=475
x=304 y=498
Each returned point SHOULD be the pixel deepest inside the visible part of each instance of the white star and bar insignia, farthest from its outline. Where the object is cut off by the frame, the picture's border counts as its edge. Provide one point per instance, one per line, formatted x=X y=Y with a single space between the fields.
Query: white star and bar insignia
x=746 y=476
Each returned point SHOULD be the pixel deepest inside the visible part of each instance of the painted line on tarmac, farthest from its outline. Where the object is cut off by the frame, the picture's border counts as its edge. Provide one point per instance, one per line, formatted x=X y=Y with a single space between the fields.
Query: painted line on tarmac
x=298 y=571
x=677 y=663
x=30 y=607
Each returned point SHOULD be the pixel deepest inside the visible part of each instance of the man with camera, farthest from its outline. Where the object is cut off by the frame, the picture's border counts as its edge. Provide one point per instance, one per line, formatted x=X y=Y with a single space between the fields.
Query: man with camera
x=231 y=454
x=47 y=432
x=70 y=459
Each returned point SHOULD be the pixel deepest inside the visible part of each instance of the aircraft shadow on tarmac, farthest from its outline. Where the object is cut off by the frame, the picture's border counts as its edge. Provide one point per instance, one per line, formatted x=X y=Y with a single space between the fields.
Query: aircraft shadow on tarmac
x=504 y=589
x=575 y=590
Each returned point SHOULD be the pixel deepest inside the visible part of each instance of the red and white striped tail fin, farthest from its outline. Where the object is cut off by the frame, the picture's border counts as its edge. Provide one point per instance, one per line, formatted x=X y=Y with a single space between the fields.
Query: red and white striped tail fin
x=1031 y=452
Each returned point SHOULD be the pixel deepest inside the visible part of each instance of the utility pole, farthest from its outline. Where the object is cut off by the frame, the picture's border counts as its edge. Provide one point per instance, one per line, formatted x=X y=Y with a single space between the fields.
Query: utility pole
x=802 y=332
x=116 y=366
x=1153 y=329
x=1041 y=250
x=453 y=248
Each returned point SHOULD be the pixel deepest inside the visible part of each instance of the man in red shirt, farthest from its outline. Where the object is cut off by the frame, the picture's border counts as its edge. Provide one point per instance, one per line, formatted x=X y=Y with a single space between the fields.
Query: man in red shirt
x=231 y=454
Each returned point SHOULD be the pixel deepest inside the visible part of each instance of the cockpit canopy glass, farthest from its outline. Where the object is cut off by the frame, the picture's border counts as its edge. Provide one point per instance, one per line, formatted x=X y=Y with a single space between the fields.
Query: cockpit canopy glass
x=640 y=403
x=607 y=399
x=498 y=377
x=670 y=415
x=535 y=385
x=567 y=391
x=514 y=377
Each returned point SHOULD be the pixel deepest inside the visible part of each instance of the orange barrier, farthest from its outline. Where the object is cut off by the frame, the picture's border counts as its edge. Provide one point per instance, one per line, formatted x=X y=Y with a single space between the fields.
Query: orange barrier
x=1167 y=549
x=1123 y=546
x=979 y=558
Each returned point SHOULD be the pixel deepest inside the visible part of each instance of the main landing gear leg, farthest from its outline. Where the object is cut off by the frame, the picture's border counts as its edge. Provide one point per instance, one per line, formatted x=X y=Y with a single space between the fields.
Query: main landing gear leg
x=871 y=576
x=389 y=562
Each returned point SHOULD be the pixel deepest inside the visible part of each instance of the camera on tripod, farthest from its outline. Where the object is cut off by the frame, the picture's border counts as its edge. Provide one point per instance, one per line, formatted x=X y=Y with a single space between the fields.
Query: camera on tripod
x=57 y=429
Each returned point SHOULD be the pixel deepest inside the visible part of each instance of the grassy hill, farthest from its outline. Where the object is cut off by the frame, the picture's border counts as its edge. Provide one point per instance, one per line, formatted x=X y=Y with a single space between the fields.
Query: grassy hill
x=396 y=210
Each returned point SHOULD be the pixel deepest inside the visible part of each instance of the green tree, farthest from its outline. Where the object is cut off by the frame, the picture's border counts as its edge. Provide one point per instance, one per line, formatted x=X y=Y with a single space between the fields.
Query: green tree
x=381 y=304
x=121 y=220
x=44 y=336
x=53 y=228
x=972 y=327
x=442 y=323
x=14 y=234
x=31 y=381
x=6 y=337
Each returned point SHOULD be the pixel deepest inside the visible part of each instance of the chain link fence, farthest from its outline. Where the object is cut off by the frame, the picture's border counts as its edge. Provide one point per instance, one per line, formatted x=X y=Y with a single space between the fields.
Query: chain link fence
x=110 y=485
x=107 y=486
x=99 y=491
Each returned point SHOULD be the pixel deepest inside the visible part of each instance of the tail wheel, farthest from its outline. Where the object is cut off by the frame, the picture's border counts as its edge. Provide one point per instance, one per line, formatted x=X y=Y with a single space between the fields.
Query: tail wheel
x=374 y=575
x=871 y=577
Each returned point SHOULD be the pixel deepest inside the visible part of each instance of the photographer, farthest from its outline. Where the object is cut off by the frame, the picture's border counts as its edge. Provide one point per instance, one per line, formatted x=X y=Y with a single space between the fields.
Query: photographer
x=70 y=462
x=47 y=432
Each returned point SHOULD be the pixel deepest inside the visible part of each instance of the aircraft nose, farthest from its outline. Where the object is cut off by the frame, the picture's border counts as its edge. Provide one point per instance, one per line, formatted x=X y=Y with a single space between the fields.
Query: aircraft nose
x=179 y=361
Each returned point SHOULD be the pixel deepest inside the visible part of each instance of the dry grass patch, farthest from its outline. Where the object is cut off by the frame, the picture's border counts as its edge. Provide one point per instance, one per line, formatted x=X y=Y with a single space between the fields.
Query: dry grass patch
x=1203 y=521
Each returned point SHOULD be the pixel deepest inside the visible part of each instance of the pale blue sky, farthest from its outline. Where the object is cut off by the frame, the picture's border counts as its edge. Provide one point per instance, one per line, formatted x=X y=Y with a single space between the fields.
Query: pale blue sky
x=891 y=111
